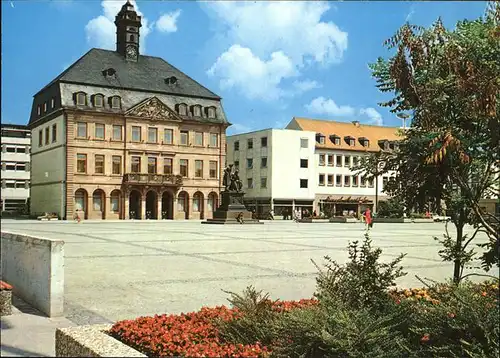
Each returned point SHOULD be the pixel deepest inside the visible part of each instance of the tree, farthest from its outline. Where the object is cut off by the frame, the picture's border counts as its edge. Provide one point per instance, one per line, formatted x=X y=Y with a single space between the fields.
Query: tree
x=448 y=83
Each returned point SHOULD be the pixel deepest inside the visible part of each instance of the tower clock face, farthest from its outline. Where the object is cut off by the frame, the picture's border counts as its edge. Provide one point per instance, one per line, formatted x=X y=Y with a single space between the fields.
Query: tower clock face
x=132 y=52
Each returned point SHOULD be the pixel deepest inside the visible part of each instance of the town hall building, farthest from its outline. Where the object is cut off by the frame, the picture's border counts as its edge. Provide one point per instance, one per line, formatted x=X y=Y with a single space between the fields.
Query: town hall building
x=120 y=135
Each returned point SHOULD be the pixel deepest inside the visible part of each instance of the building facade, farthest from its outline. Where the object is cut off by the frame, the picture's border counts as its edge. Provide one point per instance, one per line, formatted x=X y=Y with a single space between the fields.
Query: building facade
x=276 y=167
x=15 y=166
x=339 y=146
x=120 y=135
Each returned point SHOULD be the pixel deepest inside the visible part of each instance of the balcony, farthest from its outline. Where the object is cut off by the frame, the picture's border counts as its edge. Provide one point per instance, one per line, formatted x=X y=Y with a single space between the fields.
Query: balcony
x=152 y=179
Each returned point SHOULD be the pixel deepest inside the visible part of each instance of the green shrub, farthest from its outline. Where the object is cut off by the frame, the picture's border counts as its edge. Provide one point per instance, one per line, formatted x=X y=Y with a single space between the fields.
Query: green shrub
x=256 y=323
x=390 y=208
x=465 y=322
x=363 y=281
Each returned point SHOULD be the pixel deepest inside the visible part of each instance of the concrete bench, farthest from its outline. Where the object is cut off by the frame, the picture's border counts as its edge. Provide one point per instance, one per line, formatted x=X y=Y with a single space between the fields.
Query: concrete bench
x=5 y=299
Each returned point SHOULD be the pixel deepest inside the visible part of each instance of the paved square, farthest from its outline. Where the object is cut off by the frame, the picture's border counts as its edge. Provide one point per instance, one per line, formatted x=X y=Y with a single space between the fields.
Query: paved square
x=126 y=269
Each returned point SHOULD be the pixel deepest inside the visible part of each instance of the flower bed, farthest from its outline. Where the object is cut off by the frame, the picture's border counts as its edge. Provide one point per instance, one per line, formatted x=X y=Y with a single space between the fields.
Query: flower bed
x=195 y=334
x=191 y=334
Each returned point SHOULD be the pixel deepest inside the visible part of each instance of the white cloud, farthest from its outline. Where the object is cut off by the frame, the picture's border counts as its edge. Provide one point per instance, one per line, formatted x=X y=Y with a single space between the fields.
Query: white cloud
x=237 y=128
x=239 y=68
x=322 y=105
x=327 y=106
x=294 y=29
x=101 y=31
x=306 y=85
x=168 y=22
x=375 y=117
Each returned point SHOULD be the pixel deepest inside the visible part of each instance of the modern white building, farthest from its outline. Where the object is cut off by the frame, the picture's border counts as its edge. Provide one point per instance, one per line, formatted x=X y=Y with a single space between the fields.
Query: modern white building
x=277 y=169
x=15 y=166
x=338 y=147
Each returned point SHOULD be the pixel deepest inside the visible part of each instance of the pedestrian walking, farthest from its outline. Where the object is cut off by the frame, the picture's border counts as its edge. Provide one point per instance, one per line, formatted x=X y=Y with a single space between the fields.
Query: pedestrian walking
x=368 y=219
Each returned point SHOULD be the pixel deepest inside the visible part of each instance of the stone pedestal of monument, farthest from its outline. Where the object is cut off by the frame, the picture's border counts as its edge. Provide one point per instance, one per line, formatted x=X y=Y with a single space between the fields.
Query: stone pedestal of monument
x=230 y=209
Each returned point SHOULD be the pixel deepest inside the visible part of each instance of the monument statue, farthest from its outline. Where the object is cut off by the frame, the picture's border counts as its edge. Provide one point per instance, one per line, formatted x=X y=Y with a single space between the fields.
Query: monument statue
x=232 y=209
x=226 y=180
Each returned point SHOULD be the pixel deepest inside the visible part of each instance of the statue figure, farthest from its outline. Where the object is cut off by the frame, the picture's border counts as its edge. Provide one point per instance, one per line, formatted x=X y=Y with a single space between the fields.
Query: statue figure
x=236 y=184
x=226 y=180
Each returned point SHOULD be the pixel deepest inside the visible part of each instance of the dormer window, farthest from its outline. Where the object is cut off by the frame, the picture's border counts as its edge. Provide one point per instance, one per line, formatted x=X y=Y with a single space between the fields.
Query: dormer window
x=98 y=100
x=45 y=107
x=351 y=141
x=364 y=141
x=320 y=138
x=109 y=72
x=115 y=102
x=39 y=109
x=171 y=80
x=52 y=103
x=81 y=99
x=383 y=144
x=196 y=110
x=210 y=112
x=335 y=139
x=181 y=108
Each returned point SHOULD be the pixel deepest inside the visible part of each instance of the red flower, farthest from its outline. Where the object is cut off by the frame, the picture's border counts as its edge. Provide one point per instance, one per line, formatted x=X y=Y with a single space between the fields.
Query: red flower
x=425 y=338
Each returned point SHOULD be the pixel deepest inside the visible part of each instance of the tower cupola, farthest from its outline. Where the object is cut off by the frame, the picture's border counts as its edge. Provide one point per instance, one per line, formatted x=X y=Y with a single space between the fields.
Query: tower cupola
x=128 y=24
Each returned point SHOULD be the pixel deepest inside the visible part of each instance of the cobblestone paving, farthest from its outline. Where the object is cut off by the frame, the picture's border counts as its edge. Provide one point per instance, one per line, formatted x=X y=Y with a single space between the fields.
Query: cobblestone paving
x=121 y=270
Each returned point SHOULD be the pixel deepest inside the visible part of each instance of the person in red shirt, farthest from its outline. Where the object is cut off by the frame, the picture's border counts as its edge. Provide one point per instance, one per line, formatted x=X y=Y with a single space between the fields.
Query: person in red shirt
x=368 y=218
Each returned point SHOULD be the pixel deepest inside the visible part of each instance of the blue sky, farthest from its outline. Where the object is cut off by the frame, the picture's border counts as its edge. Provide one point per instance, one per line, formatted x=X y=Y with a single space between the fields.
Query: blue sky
x=269 y=61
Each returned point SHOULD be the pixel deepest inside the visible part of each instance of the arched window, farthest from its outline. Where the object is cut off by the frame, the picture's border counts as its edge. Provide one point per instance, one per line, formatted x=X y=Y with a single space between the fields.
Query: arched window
x=182 y=202
x=115 y=102
x=197 y=202
x=97 y=200
x=98 y=100
x=115 y=201
x=212 y=202
x=182 y=109
x=81 y=99
x=132 y=38
x=81 y=199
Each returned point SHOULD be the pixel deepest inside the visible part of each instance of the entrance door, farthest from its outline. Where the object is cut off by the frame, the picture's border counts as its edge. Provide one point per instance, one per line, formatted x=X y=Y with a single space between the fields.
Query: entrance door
x=135 y=205
x=167 y=204
x=151 y=205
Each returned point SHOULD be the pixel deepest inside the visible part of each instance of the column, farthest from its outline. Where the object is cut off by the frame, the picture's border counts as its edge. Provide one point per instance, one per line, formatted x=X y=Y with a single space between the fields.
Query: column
x=174 y=206
x=160 y=214
x=143 y=207
x=126 y=206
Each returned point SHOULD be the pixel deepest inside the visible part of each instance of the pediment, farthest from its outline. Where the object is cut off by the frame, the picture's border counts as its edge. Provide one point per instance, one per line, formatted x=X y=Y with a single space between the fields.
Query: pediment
x=153 y=109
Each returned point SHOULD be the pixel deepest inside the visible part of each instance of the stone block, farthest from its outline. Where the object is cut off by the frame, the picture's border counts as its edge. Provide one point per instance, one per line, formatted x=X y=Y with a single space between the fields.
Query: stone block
x=91 y=341
x=35 y=268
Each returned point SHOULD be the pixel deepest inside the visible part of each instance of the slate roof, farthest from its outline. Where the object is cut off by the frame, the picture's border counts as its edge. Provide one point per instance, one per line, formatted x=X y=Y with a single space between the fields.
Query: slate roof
x=345 y=129
x=147 y=74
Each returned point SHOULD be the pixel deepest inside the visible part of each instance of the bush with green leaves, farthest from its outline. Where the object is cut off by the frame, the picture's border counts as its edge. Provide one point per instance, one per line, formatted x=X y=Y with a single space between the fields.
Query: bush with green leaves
x=257 y=320
x=358 y=315
x=363 y=281
x=391 y=208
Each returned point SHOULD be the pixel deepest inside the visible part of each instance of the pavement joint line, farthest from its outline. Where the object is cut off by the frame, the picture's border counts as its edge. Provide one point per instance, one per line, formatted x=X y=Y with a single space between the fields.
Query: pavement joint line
x=178 y=253
x=318 y=248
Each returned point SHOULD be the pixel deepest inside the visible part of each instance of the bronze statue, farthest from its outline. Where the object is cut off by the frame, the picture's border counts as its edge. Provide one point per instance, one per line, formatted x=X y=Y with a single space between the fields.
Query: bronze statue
x=231 y=180
x=226 y=180
x=236 y=184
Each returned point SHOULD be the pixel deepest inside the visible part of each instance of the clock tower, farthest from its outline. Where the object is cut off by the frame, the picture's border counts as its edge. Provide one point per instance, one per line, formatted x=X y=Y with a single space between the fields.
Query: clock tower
x=127 y=32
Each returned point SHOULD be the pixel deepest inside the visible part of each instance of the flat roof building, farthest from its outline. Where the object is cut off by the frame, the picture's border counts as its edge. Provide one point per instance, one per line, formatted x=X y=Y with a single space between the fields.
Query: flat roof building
x=15 y=166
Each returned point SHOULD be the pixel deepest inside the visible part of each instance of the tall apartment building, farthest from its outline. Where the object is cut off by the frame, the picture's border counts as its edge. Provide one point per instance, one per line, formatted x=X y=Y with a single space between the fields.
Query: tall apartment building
x=338 y=147
x=15 y=166
x=119 y=135
x=276 y=167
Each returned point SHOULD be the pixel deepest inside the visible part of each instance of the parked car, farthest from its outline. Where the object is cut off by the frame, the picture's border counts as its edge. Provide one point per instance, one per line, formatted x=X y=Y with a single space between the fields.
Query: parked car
x=440 y=218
